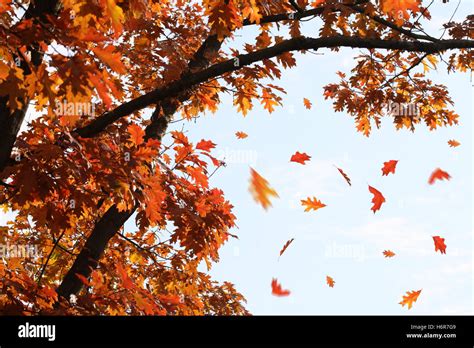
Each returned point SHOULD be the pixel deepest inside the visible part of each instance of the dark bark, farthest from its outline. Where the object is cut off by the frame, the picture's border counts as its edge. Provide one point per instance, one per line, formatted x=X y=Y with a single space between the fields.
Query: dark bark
x=111 y=222
x=92 y=250
x=173 y=89
x=11 y=121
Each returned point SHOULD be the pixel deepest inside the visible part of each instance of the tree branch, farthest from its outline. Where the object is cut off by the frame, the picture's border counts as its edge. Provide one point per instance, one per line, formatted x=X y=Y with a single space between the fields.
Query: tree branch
x=300 y=43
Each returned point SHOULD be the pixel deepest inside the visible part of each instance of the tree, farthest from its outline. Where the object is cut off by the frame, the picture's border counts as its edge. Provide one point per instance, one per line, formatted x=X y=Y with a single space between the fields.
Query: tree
x=94 y=158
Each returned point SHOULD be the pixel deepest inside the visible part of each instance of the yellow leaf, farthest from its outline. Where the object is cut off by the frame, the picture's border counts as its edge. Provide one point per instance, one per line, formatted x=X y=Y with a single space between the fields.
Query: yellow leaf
x=260 y=189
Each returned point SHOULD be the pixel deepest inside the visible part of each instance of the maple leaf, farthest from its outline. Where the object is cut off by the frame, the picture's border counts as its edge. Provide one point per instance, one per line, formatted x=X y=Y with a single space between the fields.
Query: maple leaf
x=312 y=204
x=277 y=289
x=287 y=244
x=453 y=143
x=388 y=253
x=344 y=175
x=111 y=58
x=410 y=298
x=398 y=9
x=136 y=134
x=205 y=145
x=307 y=103
x=438 y=174
x=330 y=281
x=241 y=135
x=439 y=244
x=389 y=167
x=378 y=199
x=261 y=190
x=300 y=158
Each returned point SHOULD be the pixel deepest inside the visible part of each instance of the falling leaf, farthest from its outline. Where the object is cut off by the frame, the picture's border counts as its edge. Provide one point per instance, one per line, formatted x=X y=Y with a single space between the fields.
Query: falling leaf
x=312 y=204
x=438 y=174
x=205 y=145
x=307 y=103
x=378 y=199
x=300 y=158
x=330 y=281
x=344 y=175
x=261 y=190
x=410 y=297
x=111 y=58
x=287 y=244
x=453 y=143
x=136 y=134
x=389 y=167
x=439 y=244
x=388 y=253
x=241 y=135
x=277 y=290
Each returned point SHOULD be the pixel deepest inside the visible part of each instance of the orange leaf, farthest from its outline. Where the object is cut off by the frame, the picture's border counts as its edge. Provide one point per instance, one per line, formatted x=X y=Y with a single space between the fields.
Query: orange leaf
x=439 y=244
x=312 y=204
x=411 y=297
x=307 y=103
x=205 y=145
x=398 y=9
x=277 y=290
x=102 y=89
x=126 y=281
x=116 y=14
x=389 y=167
x=287 y=244
x=388 y=253
x=241 y=135
x=378 y=199
x=300 y=157
x=330 y=281
x=136 y=133
x=453 y=143
x=344 y=175
x=261 y=190
x=438 y=174
x=111 y=58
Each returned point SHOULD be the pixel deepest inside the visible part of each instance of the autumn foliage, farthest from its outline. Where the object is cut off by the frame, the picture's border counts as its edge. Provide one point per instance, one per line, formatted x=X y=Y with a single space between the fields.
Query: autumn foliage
x=105 y=80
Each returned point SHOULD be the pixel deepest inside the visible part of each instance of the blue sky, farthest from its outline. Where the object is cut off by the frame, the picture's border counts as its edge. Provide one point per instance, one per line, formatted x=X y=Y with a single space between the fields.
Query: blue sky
x=366 y=282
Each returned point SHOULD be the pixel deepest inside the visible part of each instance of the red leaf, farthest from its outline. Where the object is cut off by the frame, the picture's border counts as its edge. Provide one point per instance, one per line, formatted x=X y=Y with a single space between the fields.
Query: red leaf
x=205 y=145
x=378 y=199
x=300 y=157
x=344 y=175
x=388 y=253
x=439 y=244
x=438 y=174
x=389 y=167
x=330 y=281
x=453 y=143
x=307 y=103
x=277 y=290
x=241 y=135
x=136 y=133
x=287 y=244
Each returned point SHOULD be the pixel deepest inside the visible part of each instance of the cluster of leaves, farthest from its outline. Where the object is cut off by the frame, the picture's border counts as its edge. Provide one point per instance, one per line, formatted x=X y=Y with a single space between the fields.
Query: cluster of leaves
x=112 y=54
